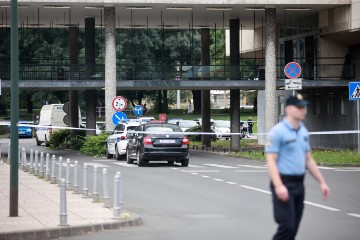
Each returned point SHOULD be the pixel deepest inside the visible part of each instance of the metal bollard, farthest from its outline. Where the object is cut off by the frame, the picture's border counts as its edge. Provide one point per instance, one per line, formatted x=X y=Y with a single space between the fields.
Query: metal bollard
x=95 y=193
x=36 y=163
x=41 y=170
x=47 y=169
x=85 y=187
x=8 y=158
x=63 y=207
x=53 y=176
x=106 y=197
x=76 y=185
x=25 y=162
x=116 y=207
x=67 y=177
x=0 y=151
x=31 y=169
x=60 y=171
x=22 y=160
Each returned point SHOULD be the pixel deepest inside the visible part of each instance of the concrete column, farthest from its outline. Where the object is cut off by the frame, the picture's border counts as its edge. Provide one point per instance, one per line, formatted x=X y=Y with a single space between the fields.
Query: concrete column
x=89 y=72
x=110 y=64
x=270 y=68
x=205 y=94
x=74 y=74
x=235 y=75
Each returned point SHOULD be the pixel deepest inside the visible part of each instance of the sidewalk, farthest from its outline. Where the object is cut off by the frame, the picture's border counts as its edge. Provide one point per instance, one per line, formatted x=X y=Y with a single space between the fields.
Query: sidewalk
x=39 y=208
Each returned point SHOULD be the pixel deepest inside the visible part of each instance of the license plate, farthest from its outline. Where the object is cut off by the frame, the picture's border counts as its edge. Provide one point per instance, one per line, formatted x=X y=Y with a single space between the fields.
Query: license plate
x=167 y=141
x=21 y=132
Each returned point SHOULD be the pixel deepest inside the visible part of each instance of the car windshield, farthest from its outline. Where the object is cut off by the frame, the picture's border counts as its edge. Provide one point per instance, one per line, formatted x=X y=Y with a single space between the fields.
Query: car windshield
x=189 y=124
x=163 y=128
x=131 y=128
x=223 y=124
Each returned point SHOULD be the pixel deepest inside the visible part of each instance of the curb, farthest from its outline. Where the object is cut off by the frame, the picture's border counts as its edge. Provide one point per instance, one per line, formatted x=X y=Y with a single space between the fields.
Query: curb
x=51 y=233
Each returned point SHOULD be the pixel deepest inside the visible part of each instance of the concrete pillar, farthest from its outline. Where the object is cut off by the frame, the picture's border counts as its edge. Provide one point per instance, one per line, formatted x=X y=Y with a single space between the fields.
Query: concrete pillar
x=110 y=64
x=235 y=75
x=74 y=74
x=270 y=68
x=205 y=94
x=90 y=71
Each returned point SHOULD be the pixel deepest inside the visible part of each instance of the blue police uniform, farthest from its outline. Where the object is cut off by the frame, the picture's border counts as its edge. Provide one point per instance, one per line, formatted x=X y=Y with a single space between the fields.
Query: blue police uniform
x=291 y=145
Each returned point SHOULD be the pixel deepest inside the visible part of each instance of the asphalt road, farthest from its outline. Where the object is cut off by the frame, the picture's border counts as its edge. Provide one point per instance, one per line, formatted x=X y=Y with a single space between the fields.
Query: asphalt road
x=219 y=197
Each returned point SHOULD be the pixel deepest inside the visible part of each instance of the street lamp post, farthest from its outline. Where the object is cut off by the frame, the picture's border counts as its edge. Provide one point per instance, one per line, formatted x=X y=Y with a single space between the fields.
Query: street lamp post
x=14 y=175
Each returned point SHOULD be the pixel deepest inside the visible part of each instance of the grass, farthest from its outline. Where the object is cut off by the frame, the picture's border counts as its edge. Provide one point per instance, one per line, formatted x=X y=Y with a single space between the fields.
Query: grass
x=226 y=143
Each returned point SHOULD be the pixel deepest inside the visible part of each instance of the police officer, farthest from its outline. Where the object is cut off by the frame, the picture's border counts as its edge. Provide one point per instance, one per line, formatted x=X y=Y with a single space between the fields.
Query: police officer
x=288 y=156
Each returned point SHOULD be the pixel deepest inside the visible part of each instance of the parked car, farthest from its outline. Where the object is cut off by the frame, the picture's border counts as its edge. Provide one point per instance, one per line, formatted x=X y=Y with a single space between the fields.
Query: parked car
x=98 y=130
x=184 y=124
x=116 y=143
x=199 y=121
x=157 y=144
x=145 y=119
x=24 y=131
x=222 y=129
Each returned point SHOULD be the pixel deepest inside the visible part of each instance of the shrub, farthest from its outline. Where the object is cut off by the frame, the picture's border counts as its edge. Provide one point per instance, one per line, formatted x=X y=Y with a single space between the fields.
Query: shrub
x=197 y=138
x=64 y=139
x=94 y=145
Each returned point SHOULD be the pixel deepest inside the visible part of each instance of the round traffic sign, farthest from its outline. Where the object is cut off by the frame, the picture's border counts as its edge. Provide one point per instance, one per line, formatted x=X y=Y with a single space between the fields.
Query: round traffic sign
x=119 y=117
x=138 y=110
x=119 y=103
x=292 y=70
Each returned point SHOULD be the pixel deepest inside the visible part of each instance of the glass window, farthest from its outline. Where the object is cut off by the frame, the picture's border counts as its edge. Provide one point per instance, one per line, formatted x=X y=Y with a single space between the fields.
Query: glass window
x=330 y=104
x=316 y=107
x=281 y=105
x=345 y=103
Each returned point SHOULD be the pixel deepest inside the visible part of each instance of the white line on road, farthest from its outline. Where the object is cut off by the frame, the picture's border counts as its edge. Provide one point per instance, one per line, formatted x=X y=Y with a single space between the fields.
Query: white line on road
x=125 y=165
x=231 y=183
x=103 y=160
x=251 y=171
x=252 y=166
x=204 y=176
x=200 y=171
x=347 y=170
x=174 y=168
x=219 y=165
x=255 y=189
x=99 y=165
x=354 y=215
x=195 y=166
x=321 y=206
x=194 y=173
x=218 y=180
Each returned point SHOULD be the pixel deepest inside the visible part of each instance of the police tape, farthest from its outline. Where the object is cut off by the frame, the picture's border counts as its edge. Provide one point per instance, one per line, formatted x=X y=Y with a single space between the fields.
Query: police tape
x=223 y=134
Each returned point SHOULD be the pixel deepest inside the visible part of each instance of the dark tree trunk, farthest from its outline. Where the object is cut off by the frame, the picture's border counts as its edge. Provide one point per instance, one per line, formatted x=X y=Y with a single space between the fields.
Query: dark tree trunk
x=159 y=102
x=140 y=95
x=165 y=101
x=197 y=101
x=29 y=103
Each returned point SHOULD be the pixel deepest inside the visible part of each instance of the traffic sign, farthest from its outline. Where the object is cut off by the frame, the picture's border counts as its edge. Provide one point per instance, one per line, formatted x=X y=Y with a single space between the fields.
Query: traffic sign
x=119 y=117
x=293 y=84
x=138 y=110
x=292 y=70
x=354 y=91
x=119 y=103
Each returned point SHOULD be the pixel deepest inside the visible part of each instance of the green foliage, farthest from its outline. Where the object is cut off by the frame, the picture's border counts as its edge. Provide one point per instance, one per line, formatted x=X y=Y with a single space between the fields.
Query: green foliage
x=94 y=145
x=197 y=138
x=64 y=139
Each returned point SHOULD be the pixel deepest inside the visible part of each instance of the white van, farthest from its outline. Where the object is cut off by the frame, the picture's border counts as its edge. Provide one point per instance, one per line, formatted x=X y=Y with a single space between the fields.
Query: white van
x=50 y=115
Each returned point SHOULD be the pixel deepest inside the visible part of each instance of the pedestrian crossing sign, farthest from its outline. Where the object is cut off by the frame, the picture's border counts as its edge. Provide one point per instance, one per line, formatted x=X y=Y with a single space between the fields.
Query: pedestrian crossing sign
x=354 y=91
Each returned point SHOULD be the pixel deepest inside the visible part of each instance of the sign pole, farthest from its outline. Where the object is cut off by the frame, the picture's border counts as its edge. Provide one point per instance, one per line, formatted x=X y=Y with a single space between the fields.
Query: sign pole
x=358 y=124
x=14 y=135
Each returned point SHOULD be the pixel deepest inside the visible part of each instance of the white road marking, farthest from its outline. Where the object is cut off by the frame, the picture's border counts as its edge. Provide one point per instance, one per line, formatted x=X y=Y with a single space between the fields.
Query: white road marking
x=218 y=180
x=200 y=171
x=99 y=165
x=321 y=206
x=231 y=183
x=204 y=176
x=255 y=189
x=205 y=216
x=124 y=164
x=252 y=166
x=195 y=166
x=219 y=166
x=326 y=168
x=103 y=160
x=354 y=215
x=194 y=173
x=251 y=171
x=174 y=168
x=347 y=170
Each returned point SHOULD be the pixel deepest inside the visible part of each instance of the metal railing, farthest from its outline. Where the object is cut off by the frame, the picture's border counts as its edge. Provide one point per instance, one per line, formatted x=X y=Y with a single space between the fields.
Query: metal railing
x=161 y=69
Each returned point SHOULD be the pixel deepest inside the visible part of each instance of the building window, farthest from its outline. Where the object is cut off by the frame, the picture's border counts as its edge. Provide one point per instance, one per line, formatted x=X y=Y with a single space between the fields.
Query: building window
x=316 y=108
x=281 y=105
x=345 y=103
x=330 y=104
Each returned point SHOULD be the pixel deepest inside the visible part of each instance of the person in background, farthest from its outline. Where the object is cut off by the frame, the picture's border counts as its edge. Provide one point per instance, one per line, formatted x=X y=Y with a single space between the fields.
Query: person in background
x=250 y=125
x=190 y=108
x=144 y=109
x=288 y=157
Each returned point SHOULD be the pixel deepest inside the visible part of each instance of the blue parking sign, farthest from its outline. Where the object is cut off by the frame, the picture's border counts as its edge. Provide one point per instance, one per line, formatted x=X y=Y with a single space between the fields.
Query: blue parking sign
x=119 y=117
x=354 y=91
x=138 y=110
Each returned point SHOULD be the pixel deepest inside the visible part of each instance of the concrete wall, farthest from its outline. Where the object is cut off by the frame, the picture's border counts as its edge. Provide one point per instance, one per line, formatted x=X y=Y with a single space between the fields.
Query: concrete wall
x=249 y=42
x=335 y=20
x=323 y=121
x=355 y=16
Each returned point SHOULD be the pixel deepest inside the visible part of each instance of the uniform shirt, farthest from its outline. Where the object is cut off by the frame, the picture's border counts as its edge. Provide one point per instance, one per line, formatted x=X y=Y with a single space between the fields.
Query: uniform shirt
x=291 y=146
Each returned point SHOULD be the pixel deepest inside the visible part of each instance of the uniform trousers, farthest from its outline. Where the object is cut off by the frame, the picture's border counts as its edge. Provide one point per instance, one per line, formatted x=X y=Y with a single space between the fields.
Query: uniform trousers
x=288 y=214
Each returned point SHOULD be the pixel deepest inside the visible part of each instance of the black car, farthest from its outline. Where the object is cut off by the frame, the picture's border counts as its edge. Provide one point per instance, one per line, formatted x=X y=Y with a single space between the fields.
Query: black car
x=157 y=144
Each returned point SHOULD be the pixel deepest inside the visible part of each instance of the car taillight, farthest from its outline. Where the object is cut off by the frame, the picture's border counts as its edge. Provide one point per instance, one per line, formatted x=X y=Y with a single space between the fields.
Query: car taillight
x=120 y=138
x=147 y=140
x=186 y=141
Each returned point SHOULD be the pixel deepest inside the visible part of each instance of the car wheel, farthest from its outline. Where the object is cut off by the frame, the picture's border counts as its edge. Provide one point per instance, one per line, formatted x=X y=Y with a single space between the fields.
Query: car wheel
x=38 y=143
x=108 y=155
x=140 y=158
x=117 y=155
x=128 y=159
x=226 y=139
x=185 y=162
x=171 y=162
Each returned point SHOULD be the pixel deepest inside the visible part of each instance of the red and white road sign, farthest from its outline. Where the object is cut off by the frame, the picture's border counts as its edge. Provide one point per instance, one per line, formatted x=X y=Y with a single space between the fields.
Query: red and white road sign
x=119 y=104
